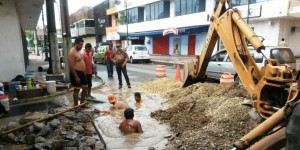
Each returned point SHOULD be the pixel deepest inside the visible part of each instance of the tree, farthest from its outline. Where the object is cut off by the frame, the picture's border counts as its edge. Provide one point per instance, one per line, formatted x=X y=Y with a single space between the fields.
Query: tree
x=29 y=38
x=122 y=18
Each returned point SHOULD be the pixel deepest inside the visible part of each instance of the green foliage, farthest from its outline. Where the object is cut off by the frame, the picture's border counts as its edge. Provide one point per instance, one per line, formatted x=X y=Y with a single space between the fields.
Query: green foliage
x=30 y=38
x=122 y=18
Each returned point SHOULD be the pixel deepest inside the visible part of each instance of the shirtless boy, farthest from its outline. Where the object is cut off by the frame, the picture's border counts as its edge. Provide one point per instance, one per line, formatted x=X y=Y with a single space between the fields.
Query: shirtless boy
x=129 y=125
x=116 y=104
x=77 y=69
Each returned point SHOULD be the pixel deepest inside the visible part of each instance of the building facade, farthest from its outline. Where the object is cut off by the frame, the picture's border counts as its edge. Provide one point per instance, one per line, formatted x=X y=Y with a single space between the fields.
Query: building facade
x=83 y=25
x=101 y=21
x=16 y=16
x=148 y=20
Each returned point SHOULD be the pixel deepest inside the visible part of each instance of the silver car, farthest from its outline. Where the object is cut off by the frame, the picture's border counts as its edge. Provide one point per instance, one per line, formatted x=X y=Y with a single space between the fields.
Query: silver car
x=220 y=61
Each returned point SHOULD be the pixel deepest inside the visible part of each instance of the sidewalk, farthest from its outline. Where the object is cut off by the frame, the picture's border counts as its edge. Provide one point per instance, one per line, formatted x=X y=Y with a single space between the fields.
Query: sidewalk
x=171 y=59
x=35 y=61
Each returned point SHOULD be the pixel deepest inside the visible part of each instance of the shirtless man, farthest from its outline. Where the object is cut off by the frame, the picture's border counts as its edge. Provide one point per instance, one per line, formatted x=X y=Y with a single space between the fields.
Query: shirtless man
x=116 y=104
x=137 y=97
x=129 y=125
x=77 y=69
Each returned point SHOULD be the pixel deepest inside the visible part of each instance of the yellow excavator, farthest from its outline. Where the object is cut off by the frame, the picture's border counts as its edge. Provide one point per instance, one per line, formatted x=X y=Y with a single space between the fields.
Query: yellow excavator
x=274 y=88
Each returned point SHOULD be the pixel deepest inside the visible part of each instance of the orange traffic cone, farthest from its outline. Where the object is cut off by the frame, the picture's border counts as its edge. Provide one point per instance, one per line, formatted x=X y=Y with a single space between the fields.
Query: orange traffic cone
x=178 y=74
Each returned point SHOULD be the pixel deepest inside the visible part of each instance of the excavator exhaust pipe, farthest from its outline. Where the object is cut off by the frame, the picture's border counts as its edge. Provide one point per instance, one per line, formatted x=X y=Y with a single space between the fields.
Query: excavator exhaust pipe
x=189 y=76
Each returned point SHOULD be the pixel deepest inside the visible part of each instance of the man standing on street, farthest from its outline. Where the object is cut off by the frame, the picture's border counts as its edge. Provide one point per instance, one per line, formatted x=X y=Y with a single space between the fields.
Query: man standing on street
x=77 y=71
x=88 y=60
x=109 y=61
x=120 y=58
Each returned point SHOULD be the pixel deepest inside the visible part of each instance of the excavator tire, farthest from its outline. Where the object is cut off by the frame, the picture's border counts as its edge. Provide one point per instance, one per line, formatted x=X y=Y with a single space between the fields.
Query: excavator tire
x=293 y=130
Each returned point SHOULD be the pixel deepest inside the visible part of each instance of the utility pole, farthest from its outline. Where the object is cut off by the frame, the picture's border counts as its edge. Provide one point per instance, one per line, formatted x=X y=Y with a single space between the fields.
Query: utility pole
x=66 y=34
x=45 y=41
x=54 y=62
x=38 y=51
x=35 y=41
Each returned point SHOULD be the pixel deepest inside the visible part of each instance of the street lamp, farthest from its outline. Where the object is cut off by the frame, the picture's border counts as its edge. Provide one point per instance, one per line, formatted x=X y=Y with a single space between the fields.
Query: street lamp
x=117 y=2
x=248 y=11
x=126 y=15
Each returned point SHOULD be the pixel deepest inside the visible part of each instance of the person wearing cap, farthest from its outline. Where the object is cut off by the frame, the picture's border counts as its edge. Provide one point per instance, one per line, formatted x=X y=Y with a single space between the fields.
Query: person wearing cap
x=120 y=58
x=129 y=125
x=116 y=104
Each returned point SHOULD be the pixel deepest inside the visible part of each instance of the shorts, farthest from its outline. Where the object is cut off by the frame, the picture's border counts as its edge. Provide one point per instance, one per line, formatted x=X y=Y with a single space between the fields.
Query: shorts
x=81 y=75
x=89 y=79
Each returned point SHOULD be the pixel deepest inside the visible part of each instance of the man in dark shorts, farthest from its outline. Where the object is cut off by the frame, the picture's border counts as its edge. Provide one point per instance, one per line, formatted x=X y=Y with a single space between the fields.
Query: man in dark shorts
x=88 y=60
x=77 y=71
x=129 y=125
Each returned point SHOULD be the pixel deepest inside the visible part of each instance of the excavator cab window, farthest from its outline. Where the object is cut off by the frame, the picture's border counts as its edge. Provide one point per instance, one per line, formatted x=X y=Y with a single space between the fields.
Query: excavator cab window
x=219 y=56
x=282 y=55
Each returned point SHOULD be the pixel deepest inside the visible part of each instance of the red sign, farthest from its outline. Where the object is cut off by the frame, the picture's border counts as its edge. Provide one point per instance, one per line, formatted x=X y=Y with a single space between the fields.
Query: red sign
x=170 y=31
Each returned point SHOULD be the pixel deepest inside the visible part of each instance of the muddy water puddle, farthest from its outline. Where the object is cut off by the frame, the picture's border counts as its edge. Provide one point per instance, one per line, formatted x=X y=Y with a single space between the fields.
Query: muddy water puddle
x=108 y=125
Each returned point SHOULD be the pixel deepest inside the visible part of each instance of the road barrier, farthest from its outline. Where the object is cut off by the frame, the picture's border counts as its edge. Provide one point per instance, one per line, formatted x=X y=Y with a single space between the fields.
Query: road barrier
x=227 y=79
x=160 y=71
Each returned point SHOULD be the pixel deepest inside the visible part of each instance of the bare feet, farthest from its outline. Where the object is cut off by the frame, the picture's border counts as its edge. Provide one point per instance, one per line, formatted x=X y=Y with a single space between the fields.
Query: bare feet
x=92 y=97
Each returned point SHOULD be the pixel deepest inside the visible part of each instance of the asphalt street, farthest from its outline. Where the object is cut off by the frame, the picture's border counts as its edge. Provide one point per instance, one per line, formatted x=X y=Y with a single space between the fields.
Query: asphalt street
x=140 y=72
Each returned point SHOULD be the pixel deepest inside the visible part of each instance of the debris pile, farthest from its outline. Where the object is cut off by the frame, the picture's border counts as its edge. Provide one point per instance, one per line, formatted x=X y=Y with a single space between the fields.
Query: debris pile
x=203 y=115
x=71 y=130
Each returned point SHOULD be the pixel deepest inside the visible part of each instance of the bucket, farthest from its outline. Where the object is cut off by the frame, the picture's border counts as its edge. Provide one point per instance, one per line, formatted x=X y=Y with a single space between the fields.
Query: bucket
x=12 y=86
x=227 y=79
x=51 y=87
x=160 y=71
x=5 y=102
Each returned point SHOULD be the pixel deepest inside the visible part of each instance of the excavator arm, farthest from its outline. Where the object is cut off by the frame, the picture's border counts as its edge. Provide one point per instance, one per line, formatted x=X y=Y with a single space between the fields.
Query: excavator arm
x=267 y=86
x=232 y=30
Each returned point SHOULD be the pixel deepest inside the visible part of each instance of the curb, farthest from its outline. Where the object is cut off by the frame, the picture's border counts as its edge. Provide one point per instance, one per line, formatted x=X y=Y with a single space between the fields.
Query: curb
x=167 y=63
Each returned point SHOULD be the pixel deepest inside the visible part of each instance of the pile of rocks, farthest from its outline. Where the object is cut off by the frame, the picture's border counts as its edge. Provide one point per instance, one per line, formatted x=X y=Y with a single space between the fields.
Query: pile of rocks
x=70 y=131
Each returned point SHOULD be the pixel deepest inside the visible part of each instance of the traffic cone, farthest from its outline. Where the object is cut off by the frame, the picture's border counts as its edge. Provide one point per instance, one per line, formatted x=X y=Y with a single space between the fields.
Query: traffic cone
x=178 y=74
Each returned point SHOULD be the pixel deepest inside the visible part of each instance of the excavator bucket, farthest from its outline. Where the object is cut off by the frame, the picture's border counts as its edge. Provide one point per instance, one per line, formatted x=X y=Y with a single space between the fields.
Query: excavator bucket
x=188 y=75
x=187 y=71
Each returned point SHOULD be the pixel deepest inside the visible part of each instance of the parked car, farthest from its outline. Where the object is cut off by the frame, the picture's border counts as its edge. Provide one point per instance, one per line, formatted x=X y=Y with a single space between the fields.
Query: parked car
x=99 y=54
x=220 y=61
x=138 y=53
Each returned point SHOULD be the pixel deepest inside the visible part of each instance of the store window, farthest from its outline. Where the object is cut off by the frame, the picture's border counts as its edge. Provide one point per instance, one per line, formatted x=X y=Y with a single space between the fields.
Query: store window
x=245 y=2
x=183 y=7
x=89 y=23
x=135 y=15
x=158 y=10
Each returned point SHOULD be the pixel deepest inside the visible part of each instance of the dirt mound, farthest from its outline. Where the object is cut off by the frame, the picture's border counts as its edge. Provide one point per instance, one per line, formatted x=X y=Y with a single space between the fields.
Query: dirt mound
x=203 y=115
